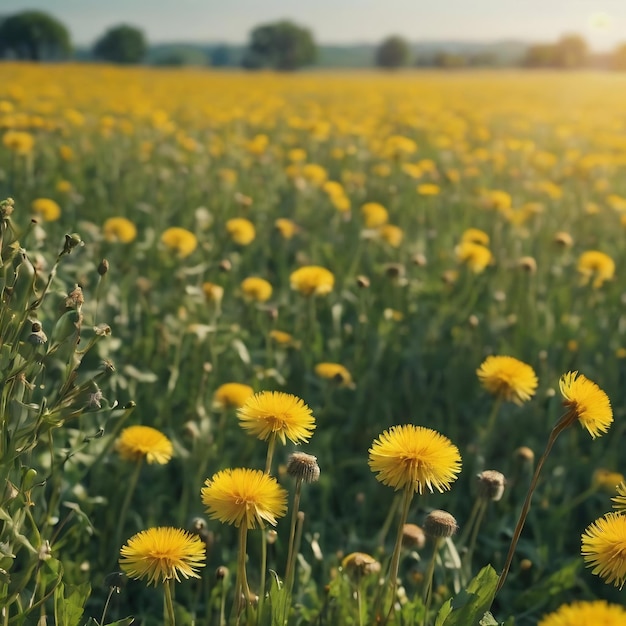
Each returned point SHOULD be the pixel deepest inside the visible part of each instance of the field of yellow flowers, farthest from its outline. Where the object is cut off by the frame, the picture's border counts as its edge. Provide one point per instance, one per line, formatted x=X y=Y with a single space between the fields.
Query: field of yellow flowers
x=322 y=348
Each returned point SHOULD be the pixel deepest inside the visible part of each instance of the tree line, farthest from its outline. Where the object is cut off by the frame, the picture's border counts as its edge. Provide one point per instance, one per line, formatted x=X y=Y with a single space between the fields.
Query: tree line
x=282 y=45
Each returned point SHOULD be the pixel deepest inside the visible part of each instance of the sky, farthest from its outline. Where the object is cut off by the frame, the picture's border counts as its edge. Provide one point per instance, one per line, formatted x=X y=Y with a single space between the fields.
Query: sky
x=601 y=22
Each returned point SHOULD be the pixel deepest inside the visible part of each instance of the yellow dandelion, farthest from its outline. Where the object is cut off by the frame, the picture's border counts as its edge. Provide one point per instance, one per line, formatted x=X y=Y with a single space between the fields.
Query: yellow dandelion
x=119 y=229
x=415 y=457
x=586 y=402
x=241 y=230
x=563 y=239
x=314 y=174
x=474 y=255
x=244 y=497
x=607 y=480
x=312 y=280
x=335 y=372
x=296 y=155
x=393 y=235
x=213 y=292
x=256 y=289
x=179 y=240
x=360 y=564
x=596 y=264
x=374 y=214
x=428 y=189
x=619 y=501
x=508 y=378
x=64 y=186
x=475 y=235
x=271 y=414
x=231 y=395
x=286 y=227
x=20 y=142
x=163 y=553
x=282 y=338
x=48 y=209
x=143 y=442
x=604 y=548
x=586 y=613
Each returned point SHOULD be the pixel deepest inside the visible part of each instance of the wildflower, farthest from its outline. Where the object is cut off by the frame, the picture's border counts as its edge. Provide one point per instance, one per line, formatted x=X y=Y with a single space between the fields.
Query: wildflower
x=508 y=378
x=303 y=467
x=563 y=239
x=586 y=402
x=475 y=235
x=336 y=372
x=282 y=338
x=393 y=235
x=119 y=229
x=179 y=240
x=414 y=457
x=528 y=264
x=312 y=280
x=270 y=414
x=440 y=524
x=413 y=536
x=586 y=612
x=619 y=501
x=244 y=497
x=64 y=186
x=428 y=189
x=604 y=548
x=360 y=564
x=607 y=480
x=20 y=142
x=296 y=155
x=232 y=395
x=48 y=209
x=374 y=214
x=475 y=256
x=286 y=227
x=597 y=264
x=241 y=230
x=162 y=553
x=314 y=174
x=256 y=289
x=213 y=292
x=138 y=442
x=491 y=485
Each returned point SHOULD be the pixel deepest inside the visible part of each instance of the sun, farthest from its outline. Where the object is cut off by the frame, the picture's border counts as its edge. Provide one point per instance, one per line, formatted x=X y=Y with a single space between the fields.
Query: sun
x=600 y=21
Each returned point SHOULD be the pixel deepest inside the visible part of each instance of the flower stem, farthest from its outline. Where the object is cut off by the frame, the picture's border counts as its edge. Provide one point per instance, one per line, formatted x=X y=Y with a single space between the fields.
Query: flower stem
x=169 y=603
x=428 y=580
x=291 y=552
x=263 y=568
x=271 y=446
x=130 y=490
x=242 y=591
x=556 y=431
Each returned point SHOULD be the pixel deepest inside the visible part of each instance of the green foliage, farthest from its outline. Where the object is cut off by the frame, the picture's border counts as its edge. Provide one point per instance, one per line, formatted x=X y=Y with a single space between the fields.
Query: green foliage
x=121 y=44
x=34 y=35
x=393 y=52
x=281 y=45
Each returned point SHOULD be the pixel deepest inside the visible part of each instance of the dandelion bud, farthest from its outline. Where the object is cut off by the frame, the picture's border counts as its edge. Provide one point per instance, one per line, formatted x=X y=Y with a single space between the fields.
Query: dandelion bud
x=271 y=536
x=473 y=321
x=221 y=572
x=491 y=485
x=528 y=264
x=115 y=581
x=225 y=265
x=363 y=282
x=563 y=239
x=303 y=467
x=75 y=298
x=440 y=524
x=419 y=260
x=199 y=527
x=413 y=536
x=103 y=268
x=524 y=454
x=395 y=270
x=360 y=564
x=71 y=242
x=525 y=565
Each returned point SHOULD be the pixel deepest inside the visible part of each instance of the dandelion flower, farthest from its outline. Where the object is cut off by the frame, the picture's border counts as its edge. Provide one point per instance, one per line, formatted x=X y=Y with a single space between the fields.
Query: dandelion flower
x=508 y=378
x=596 y=264
x=336 y=372
x=392 y=234
x=474 y=255
x=119 y=229
x=138 y=442
x=604 y=548
x=244 y=496
x=286 y=227
x=416 y=457
x=180 y=240
x=282 y=338
x=161 y=554
x=374 y=214
x=475 y=235
x=428 y=189
x=607 y=480
x=312 y=280
x=596 y=612
x=256 y=289
x=586 y=402
x=20 y=142
x=275 y=414
x=241 y=230
x=619 y=501
x=360 y=564
x=48 y=209
x=212 y=292
x=232 y=395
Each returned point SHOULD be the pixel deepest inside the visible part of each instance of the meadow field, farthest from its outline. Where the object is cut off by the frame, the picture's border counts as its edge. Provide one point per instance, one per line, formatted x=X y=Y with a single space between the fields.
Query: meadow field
x=176 y=244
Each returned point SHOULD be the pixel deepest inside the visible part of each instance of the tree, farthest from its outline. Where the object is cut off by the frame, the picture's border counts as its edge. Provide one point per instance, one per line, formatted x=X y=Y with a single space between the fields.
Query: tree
x=392 y=52
x=449 y=60
x=540 y=55
x=571 y=51
x=280 y=45
x=618 y=58
x=121 y=44
x=34 y=35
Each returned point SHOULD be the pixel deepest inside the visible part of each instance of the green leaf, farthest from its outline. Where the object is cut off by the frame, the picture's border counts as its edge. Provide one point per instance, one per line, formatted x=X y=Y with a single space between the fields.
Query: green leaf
x=68 y=608
x=469 y=606
x=553 y=586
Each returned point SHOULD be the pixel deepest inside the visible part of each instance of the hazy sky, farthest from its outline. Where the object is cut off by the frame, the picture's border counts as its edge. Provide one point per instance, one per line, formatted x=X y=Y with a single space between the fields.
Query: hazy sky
x=603 y=23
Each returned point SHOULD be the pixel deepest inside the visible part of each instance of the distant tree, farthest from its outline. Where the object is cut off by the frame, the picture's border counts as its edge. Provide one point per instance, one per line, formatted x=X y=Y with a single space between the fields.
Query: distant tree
x=618 y=58
x=449 y=60
x=280 y=45
x=392 y=52
x=34 y=35
x=571 y=52
x=540 y=55
x=121 y=44
x=221 y=56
